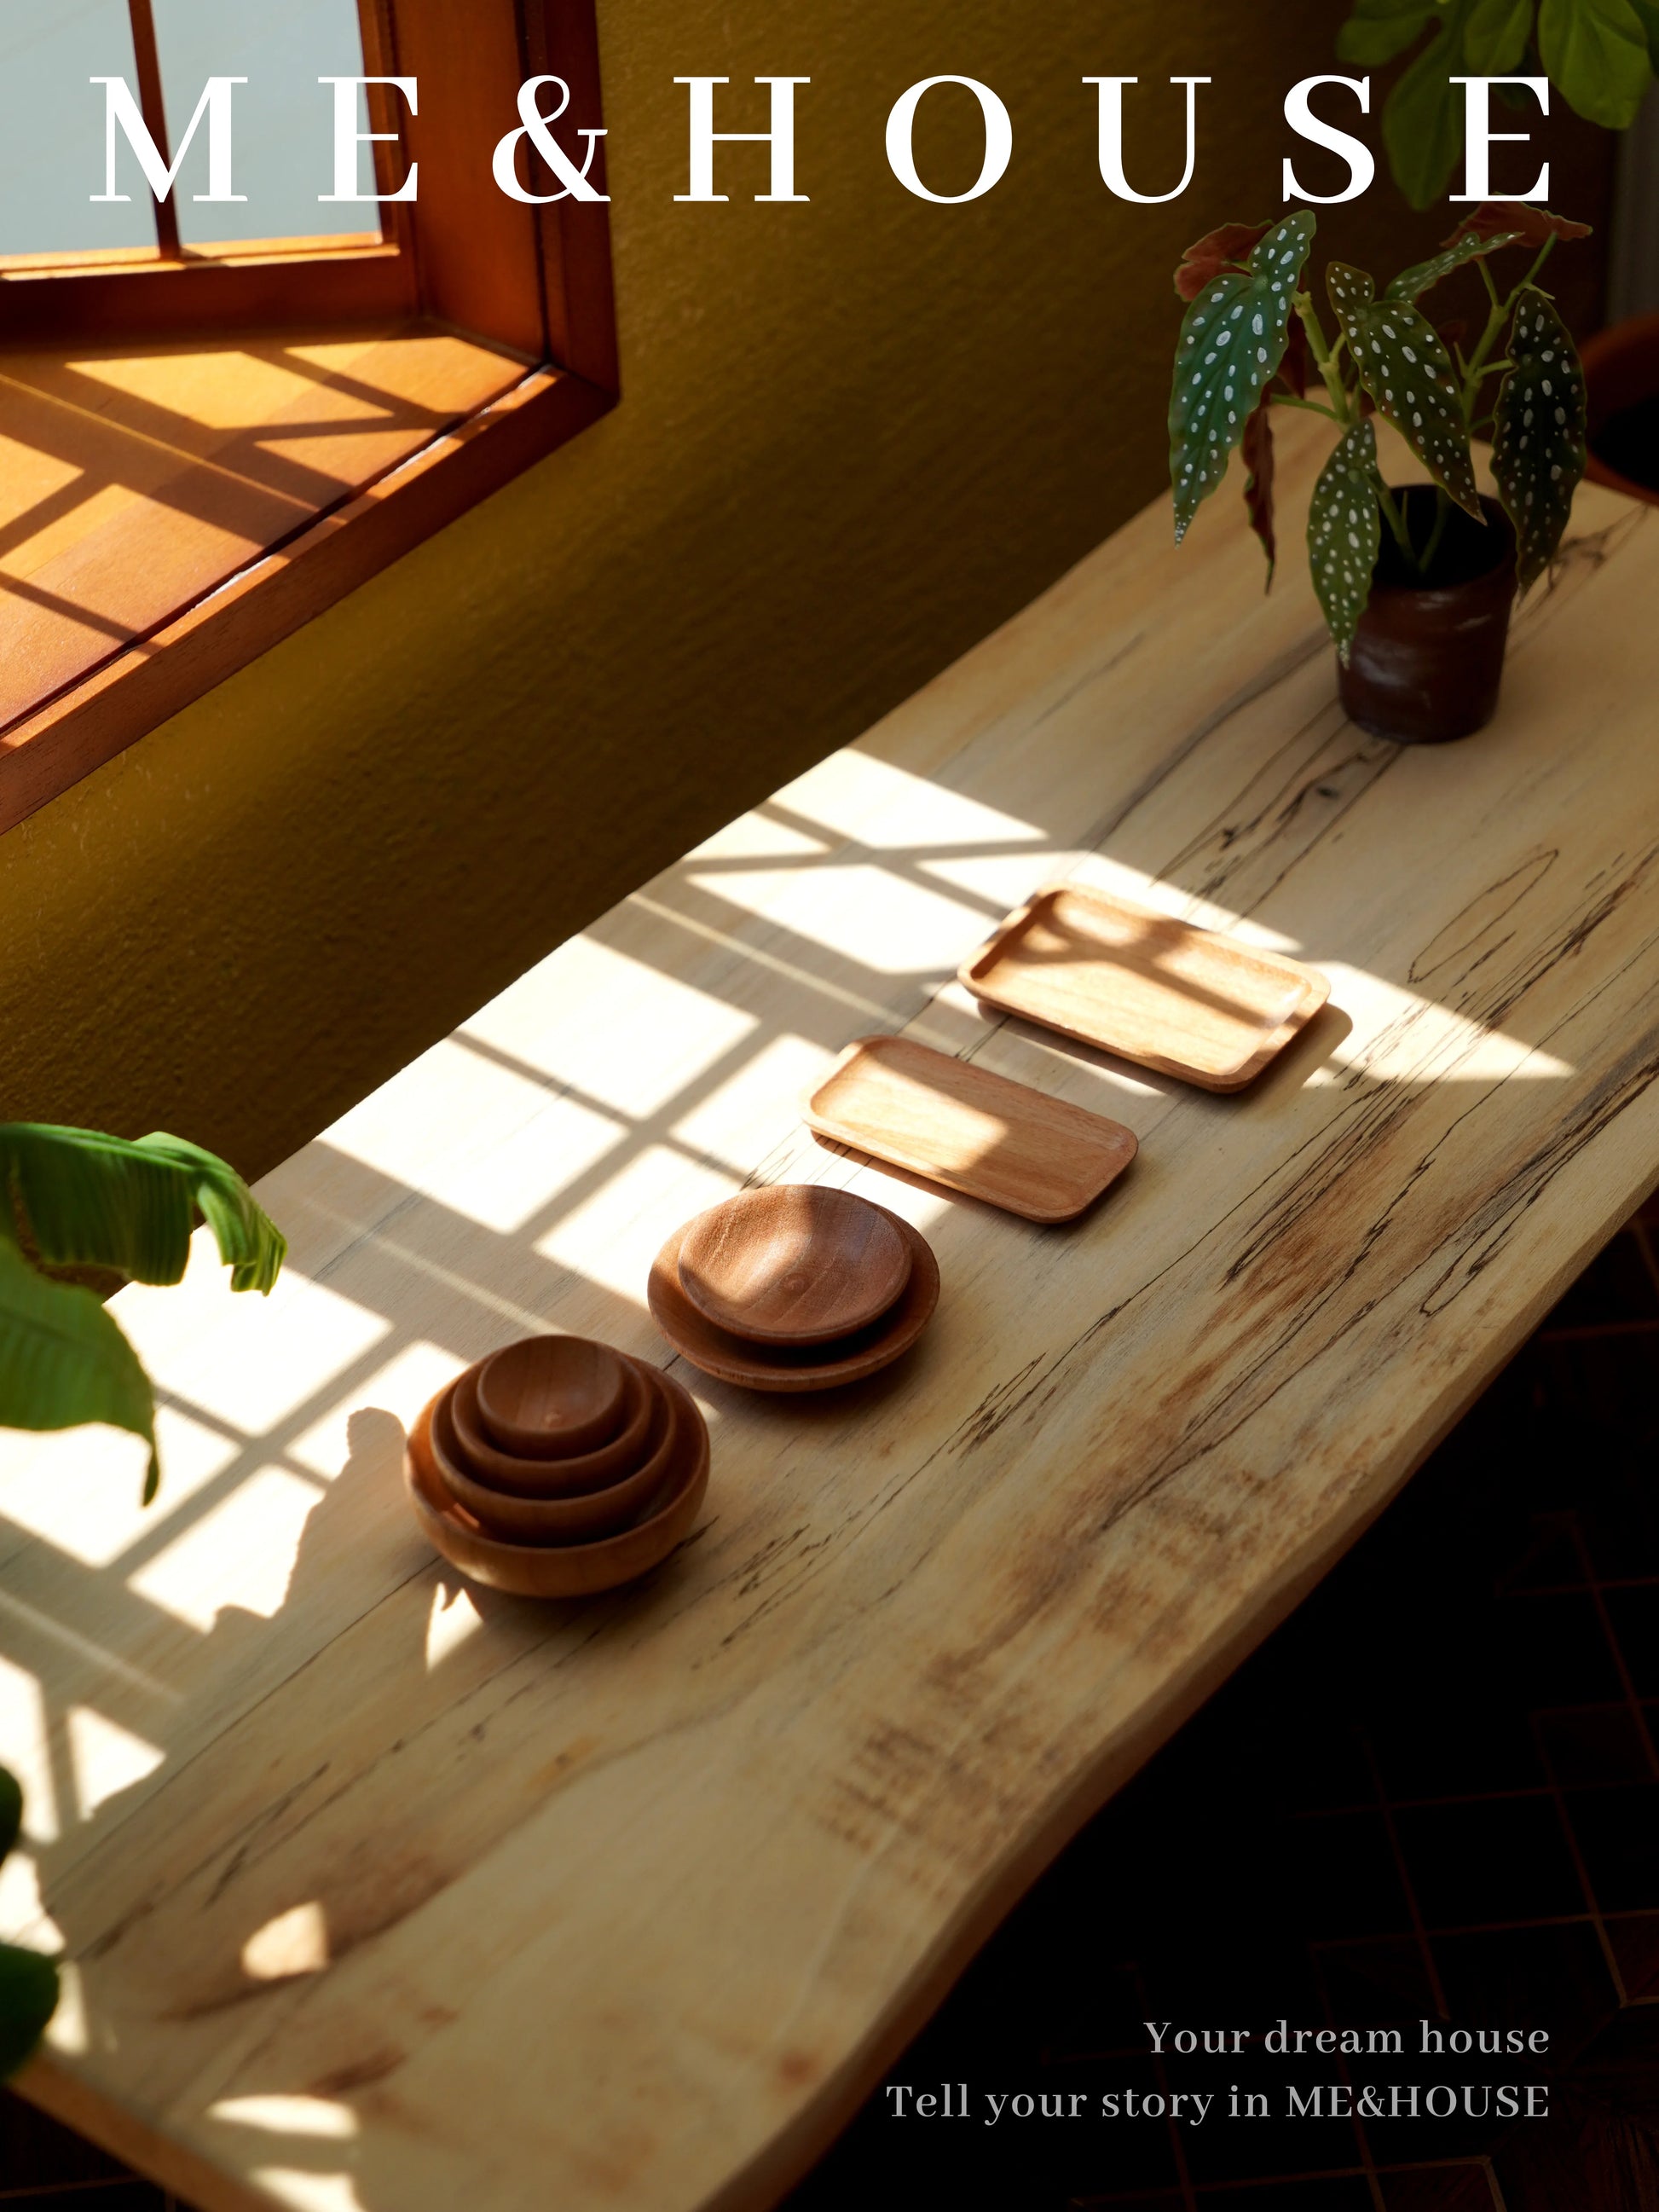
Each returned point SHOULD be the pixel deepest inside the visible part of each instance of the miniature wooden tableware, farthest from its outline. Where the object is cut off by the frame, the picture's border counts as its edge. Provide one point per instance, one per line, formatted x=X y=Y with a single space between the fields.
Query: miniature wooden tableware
x=793 y=1263
x=553 y=1478
x=578 y=1519
x=564 y=1570
x=755 y=1366
x=552 y=1397
x=1184 y=1000
x=972 y=1131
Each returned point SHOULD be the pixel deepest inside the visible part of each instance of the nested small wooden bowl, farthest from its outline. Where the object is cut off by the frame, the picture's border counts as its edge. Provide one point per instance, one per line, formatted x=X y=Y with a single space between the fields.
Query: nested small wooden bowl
x=552 y=1397
x=793 y=1263
x=542 y=1477
x=564 y=1570
x=810 y=1363
x=561 y=1520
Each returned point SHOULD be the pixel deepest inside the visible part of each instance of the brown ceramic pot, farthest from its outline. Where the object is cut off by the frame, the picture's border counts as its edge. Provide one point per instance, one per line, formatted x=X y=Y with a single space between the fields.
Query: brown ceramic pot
x=1621 y=391
x=1426 y=659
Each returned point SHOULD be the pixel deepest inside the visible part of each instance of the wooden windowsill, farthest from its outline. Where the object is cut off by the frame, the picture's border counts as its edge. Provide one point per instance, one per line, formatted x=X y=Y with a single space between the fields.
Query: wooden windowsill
x=169 y=510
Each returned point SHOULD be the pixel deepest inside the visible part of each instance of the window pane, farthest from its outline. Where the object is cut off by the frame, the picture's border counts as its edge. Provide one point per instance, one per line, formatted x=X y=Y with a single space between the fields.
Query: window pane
x=51 y=128
x=284 y=118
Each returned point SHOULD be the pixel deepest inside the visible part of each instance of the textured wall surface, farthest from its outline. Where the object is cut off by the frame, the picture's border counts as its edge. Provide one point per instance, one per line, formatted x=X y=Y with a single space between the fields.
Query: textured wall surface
x=854 y=435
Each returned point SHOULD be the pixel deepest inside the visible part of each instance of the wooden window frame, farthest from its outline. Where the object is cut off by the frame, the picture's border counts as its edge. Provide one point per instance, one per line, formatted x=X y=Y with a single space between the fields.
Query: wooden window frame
x=531 y=281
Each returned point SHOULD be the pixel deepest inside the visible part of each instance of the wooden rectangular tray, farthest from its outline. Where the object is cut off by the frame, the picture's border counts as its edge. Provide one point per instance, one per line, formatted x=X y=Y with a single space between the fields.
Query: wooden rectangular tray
x=969 y=1129
x=1182 y=999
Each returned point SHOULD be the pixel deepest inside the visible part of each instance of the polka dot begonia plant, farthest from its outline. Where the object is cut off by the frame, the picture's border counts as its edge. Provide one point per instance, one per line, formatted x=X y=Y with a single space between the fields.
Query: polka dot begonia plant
x=1235 y=362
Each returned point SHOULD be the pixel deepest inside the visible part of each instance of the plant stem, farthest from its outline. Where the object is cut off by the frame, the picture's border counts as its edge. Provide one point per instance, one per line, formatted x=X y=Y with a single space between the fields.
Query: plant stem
x=1478 y=367
x=1442 y=516
x=1395 y=520
x=1290 y=400
x=1341 y=402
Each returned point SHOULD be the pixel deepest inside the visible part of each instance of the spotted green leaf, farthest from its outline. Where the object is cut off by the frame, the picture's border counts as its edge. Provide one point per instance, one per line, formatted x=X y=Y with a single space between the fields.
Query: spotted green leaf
x=1538 y=433
x=1411 y=284
x=1403 y=363
x=1232 y=339
x=1344 y=529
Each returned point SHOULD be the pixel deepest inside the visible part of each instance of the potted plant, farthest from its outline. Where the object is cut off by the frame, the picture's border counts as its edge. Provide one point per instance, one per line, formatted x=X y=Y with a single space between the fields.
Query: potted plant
x=1415 y=582
x=76 y=1199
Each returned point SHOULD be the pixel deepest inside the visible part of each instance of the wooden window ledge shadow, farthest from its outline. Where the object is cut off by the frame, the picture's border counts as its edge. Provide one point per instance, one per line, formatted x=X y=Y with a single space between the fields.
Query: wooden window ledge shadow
x=198 y=457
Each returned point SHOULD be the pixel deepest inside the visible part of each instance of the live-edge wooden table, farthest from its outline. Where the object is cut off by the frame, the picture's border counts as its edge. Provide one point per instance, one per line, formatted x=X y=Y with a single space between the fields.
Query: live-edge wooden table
x=382 y=1892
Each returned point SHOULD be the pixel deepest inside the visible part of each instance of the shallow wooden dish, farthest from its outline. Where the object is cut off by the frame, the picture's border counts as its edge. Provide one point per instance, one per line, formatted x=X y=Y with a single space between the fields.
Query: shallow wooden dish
x=793 y=1263
x=973 y=1131
x=1184 y=1000
x=793 y=1367
x=555 y=1571
x=578 y=1519
x=552 y=1397
x=552 y=1478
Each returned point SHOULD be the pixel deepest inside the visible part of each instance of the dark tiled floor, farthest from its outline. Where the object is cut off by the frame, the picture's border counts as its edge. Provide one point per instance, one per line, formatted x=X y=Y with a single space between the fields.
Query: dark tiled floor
x=1432 y=1796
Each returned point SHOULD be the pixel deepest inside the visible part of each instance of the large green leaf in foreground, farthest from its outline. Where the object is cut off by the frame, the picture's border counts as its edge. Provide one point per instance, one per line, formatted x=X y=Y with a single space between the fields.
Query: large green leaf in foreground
x=62 y=1361
x=28 y=1983
x=90 y=1199
x=1232 y=340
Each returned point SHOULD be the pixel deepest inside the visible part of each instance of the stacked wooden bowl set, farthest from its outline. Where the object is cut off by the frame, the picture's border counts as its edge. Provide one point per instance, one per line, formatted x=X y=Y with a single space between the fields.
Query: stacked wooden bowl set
x=559 y=1466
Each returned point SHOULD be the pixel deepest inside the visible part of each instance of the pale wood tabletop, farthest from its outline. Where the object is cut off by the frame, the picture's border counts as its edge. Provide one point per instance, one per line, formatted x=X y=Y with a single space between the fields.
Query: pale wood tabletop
x=382 y=1892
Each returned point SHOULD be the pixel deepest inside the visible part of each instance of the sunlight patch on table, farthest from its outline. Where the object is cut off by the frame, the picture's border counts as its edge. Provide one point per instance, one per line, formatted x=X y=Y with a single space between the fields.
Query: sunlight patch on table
x=616 y=1029
x=319 y=2117
x=81 y=1490
x=1399 y=1037
x=612 y=1237
x=478 y=1137
x=758 y=1104
x=310 y=2192
x=294 y=1942
x=1004 y=880
x=854 y=795
x=401 y=1388
x=25 y=1749
x=861 y=911
x=106 y=1757
x=239 y=1556
x=757 y=837
x=251 y=1360
x=1099 y=873
x=23 y=1916
x=452 y=1619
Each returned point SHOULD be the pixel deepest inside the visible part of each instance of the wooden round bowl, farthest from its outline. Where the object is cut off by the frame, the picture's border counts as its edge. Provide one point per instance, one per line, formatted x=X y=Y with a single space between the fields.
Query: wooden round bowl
x=793 y=1367
x=564 y=1570
x=553 y=1478
x=578 y=1519
x=552 y=1397
x=793 y=1263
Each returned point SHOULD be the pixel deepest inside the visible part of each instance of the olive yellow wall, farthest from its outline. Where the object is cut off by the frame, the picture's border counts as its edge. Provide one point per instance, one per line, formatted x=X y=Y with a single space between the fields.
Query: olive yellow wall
x=854 y=435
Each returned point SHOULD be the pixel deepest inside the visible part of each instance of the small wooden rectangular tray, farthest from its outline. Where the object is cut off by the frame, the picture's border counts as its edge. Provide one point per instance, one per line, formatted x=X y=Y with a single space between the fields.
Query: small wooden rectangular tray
x=973 y=1131
x=1182 y=999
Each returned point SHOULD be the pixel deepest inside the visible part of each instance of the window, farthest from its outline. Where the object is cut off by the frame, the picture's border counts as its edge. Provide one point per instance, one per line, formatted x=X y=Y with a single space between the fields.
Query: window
x=217 y=417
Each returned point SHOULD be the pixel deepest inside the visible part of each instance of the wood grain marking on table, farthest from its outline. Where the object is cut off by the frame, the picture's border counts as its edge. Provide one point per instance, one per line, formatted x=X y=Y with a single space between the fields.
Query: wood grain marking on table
x=698 y=1856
